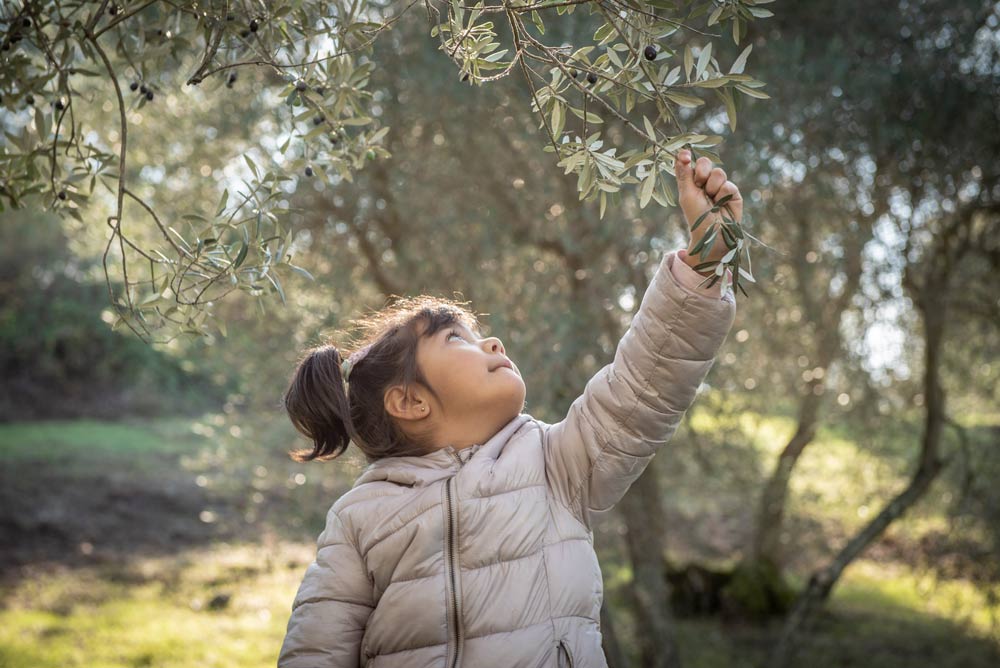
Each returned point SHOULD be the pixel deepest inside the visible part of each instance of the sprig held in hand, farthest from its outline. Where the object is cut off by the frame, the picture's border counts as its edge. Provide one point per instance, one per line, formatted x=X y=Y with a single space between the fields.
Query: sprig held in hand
x=716 y=238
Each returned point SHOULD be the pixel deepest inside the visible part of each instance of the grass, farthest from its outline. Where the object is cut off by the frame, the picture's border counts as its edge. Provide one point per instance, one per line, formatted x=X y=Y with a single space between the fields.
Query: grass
x=913 y=595
x=879 y=616
x=55 y=439
x=87 y=447
x=157 y=612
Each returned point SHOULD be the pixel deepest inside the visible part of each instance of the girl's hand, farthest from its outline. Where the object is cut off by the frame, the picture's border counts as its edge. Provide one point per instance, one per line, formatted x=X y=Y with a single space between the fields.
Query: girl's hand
x=698 y=189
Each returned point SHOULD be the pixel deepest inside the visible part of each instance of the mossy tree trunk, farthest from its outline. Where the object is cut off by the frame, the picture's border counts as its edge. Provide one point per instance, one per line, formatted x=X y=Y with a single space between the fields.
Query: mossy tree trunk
x=645 y=541
x=930 y=295
x=759 y=588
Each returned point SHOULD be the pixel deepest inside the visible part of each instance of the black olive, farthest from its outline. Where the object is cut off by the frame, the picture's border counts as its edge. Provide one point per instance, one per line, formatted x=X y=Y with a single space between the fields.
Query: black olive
x=59 y=105
x=114 y=10
x=465 y=77
x=62 y=194
x=318 y=120
x=253 y=25
x=149 y=95
x=30 y=100
x=134 y=85
x=143 y=89
x=244 y=34
x=650 y=52
x=309 y=171
x=300 y=85
x=591 y=77
x=574 y=73
x=26 y=22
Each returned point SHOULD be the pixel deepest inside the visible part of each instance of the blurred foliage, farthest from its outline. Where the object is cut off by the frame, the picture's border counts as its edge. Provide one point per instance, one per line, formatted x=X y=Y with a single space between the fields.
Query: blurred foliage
x=58 y=358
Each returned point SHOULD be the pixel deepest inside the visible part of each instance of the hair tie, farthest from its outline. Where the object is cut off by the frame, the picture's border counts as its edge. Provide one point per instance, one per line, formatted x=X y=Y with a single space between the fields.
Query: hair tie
x=348 y=365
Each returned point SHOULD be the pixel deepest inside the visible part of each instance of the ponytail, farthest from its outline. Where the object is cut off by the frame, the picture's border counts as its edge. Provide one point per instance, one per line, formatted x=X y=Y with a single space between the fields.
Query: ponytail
x=317 y=399
x=316 y=402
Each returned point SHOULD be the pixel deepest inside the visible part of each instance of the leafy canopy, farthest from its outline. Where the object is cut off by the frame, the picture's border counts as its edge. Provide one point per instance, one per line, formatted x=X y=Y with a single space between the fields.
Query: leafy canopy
x=649 y=61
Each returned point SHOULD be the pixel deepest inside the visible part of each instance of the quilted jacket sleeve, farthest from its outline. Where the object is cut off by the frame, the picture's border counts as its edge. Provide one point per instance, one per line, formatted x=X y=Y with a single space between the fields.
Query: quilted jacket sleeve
x=331 y=607
x=633 y=405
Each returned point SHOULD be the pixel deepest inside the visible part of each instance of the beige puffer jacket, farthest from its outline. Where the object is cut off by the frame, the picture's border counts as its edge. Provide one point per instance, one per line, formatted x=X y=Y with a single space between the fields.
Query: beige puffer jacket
x=484 y=557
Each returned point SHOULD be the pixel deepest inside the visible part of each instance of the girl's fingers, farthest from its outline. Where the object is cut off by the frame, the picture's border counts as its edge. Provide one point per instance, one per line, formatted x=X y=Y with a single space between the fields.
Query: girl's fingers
x=685 y=176
x=715 y=181
x=699 y=185
x=735 y=204
x=702 y=169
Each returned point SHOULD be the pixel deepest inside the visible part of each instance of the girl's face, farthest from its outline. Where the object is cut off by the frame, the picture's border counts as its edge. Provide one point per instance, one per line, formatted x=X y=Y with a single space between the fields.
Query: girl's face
x=479 y=388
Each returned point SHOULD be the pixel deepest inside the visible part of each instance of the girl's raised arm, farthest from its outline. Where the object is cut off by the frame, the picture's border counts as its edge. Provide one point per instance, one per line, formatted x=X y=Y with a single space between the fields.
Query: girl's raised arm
x=332 y=605
x=632 y=407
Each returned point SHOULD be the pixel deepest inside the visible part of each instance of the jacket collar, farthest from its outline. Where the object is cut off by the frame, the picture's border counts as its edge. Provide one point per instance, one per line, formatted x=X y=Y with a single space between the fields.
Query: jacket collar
x=442 y=463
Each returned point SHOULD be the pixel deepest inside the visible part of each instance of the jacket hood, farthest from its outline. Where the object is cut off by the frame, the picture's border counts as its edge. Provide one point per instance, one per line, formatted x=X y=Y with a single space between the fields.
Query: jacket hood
x=424 y=470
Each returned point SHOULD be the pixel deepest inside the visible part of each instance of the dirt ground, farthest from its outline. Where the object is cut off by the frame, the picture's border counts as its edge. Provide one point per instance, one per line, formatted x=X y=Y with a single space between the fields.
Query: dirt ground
x=63 y=517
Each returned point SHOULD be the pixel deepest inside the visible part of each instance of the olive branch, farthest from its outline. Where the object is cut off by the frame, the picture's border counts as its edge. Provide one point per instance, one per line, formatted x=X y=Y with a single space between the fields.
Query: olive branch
x=647 y=60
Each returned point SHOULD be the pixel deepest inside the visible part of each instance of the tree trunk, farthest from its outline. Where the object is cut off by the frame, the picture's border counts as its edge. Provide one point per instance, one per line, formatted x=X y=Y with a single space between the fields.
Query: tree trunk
x=612 y=648
x=766 y=545
x=932 y=307
x=643 y=514
x=759 y=588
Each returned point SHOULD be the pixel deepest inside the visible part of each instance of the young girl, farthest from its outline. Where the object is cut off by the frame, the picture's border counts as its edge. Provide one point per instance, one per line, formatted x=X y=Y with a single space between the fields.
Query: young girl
x=467 y=540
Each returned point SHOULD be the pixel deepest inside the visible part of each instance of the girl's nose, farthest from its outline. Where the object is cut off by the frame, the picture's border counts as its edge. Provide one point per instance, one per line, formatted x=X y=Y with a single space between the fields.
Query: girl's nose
x=494 y=344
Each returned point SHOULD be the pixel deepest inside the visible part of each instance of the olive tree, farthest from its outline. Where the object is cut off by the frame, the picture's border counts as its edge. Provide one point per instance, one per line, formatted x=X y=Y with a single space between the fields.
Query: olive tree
x=648 y=66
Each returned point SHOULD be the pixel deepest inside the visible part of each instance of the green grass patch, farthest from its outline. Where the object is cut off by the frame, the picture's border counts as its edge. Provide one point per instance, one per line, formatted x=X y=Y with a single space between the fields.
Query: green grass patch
x=972 y=607
x=57 y=439
x=879 y=617
x=157 y=612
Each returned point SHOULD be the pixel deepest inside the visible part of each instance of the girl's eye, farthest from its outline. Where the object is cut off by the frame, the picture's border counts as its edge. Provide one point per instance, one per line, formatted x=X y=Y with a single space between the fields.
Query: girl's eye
x=454 y=333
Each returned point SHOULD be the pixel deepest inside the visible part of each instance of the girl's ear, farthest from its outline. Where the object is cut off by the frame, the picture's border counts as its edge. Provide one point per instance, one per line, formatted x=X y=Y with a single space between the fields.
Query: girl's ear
x=404 y=405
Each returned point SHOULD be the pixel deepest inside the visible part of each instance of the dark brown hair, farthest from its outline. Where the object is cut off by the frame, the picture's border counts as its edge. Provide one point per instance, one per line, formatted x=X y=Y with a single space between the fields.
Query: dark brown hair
x=318 y=406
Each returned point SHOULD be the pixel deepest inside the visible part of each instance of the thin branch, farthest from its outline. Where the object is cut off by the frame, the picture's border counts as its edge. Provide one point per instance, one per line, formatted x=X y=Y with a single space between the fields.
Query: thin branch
x=124 y=17
x=121 y=176
x=280 y=66
x=163 y=229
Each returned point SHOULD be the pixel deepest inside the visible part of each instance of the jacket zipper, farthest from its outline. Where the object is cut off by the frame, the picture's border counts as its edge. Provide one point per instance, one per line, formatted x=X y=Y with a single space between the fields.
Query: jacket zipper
x=452 y=556
x=564 y=649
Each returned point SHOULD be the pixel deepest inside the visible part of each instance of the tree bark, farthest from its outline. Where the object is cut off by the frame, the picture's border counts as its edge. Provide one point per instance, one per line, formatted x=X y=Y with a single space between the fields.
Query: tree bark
x=644 y=540
x=827 y=314
x=612 y=647
x=931 y=302
x=766 y=545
